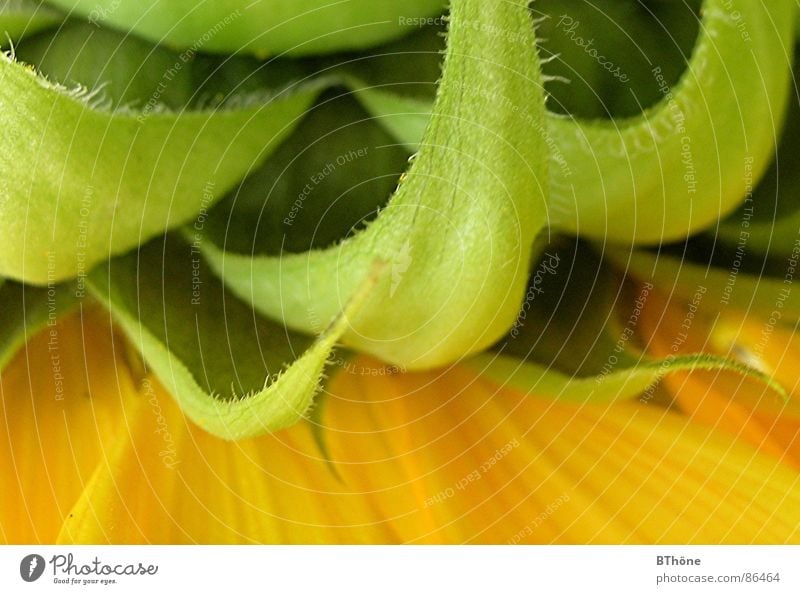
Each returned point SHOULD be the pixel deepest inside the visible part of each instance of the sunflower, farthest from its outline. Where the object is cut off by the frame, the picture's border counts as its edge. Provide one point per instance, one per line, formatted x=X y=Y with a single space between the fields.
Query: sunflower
x=359 y=273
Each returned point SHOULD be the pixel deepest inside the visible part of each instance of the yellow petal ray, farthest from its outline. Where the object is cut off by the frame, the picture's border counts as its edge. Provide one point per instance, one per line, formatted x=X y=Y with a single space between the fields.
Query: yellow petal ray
x=747 y=480
x=58 y=409
x=707 y=398
x=439 y=441
x=556 y=481
x=786 y=430
x=599 y=442
x=670 y=489
x=271 y=489
x=604 y=459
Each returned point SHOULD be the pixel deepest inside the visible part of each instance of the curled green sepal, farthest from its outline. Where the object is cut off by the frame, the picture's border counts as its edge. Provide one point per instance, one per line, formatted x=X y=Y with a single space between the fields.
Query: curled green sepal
x=457 y=235
x=683 y=163
x=21 y=18
x=80 y=182
x=768 y=221
x=233 y=373
x=263 y=27
x=622 y=384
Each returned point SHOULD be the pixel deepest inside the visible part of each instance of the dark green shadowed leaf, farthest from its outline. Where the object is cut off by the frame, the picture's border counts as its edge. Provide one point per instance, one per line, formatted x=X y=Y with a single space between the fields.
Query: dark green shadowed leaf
x=85 y=178
x=316 y=418
x=233 y=372
x=131 y=74
x=329 y=177
x=600 y=55
x=411 y=66
x=26 y=311
x=125 y=71
x=458 y=233
x=397 y=82
x=569 y=320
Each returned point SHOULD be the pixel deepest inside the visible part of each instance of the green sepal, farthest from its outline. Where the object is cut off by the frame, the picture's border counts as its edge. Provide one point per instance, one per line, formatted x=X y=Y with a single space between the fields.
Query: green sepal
x=23 y=18
x=265 y=28
x=86 y=179
x=457 y=236
x=680 y=165
x=627 y=382
x=233 y=373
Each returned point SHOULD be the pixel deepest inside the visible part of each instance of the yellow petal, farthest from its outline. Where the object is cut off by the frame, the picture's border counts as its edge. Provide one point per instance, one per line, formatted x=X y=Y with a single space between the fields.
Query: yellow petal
x=166 y=481
x=59 y=407
x=572 y=474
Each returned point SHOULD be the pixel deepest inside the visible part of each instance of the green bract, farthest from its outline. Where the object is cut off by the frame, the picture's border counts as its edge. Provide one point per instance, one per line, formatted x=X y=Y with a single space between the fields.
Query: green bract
x=20 y=18
x=267 y=27
x=83 y=180
x=457 y=236
x=680 y=165
x=229 y=369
